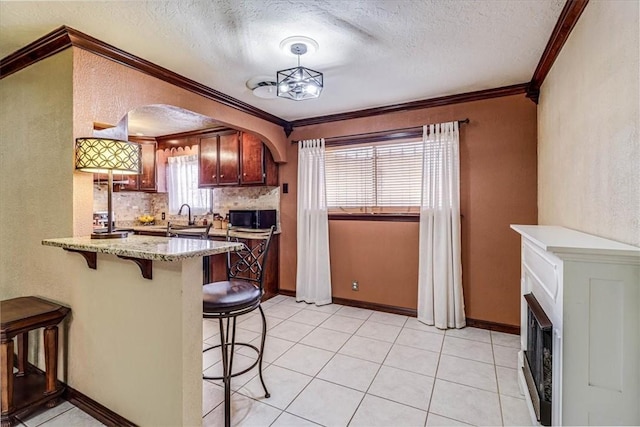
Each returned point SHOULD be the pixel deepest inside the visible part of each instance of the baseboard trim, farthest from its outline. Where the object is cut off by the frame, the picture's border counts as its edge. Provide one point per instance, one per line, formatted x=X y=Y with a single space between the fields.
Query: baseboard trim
x=363 y=304
x=476 y=323
x=99 y=412
x=494 y=326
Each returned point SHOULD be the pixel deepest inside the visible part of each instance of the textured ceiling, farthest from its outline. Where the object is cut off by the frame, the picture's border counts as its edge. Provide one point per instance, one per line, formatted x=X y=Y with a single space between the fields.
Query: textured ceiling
x=372 y=52
x=160 y=120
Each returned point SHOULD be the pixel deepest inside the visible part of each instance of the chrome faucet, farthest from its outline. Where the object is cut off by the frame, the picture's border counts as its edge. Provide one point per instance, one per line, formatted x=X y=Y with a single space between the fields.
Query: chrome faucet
x=191 y=222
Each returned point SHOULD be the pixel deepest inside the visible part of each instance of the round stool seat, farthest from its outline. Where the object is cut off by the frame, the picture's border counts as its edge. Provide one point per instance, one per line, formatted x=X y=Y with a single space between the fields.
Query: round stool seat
x=228 y=296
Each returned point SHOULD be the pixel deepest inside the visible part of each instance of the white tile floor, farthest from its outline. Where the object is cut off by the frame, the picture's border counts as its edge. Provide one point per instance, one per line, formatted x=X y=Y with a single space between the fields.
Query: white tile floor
x=337 y=366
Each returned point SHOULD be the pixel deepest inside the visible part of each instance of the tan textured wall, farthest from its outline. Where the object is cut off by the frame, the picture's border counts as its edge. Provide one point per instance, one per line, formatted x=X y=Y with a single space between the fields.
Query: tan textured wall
x=588 y=129
x=498 y=188
x=36 y=184
x=36 y=166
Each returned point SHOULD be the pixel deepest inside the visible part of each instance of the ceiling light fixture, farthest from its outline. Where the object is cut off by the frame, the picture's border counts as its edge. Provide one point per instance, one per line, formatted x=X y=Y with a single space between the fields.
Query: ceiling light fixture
x=263 y=87
x=299 y=83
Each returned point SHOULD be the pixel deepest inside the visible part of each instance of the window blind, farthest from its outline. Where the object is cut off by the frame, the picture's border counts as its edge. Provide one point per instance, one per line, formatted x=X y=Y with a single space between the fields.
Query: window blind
x=381 y=176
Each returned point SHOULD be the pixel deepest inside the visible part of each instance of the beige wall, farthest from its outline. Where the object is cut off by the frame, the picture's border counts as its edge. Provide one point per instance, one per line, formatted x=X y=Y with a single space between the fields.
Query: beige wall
x=36 y=164
x=36 y=184
x=588 y=128
x=498 y=188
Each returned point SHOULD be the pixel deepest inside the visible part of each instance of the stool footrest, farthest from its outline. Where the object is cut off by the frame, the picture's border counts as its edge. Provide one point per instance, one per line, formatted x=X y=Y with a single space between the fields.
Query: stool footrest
x=234 y=374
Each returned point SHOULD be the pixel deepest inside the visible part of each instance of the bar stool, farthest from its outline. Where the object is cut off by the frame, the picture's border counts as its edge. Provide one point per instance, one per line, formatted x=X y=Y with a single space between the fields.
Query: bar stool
x=28 y=389
x=239 y=294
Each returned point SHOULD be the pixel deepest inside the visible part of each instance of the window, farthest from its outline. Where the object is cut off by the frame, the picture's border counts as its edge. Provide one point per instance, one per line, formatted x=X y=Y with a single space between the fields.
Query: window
x=375 y=178
x=182 y=185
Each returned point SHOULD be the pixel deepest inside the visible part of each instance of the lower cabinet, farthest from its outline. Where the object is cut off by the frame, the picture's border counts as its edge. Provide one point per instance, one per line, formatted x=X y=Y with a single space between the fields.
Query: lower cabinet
x=217 y=266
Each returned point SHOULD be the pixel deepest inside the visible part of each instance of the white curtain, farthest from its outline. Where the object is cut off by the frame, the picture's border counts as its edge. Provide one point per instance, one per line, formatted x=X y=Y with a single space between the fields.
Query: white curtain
x=313 y=278
x=440 y=299
x=182 y=185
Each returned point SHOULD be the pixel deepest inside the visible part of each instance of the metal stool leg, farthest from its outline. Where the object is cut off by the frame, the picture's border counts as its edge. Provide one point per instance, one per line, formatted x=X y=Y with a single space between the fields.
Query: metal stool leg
x=227 y=363
x=264 y=335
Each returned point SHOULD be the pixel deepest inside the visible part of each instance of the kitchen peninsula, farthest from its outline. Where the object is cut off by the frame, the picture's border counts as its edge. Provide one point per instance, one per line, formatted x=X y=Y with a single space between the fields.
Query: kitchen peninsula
x=144 y=355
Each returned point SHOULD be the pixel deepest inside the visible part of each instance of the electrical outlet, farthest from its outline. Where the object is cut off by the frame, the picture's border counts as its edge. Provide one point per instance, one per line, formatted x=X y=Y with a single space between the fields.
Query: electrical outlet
x=163 y=216
x=355 y=286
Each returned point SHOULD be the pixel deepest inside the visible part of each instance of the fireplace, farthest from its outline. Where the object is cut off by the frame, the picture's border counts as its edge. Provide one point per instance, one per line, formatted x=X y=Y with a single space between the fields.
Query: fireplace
x=537 y=368
x=582 y=321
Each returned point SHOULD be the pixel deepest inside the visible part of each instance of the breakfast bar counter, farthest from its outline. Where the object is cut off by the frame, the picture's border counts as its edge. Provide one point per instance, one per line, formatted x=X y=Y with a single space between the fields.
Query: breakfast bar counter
x=145 y=247
x=143 y=355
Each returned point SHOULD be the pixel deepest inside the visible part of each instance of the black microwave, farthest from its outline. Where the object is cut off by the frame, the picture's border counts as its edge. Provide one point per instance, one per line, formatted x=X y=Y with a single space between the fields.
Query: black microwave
x=256 y=219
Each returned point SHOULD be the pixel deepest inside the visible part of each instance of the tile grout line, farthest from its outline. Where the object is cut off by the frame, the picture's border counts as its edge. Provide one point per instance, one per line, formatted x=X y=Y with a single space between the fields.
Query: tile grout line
x=381 y=364
x=233 y=392
x=435 y=377
x=315 y=376
x=53 y=418
x=495 y=369
x=376 y=374
x=365 y=393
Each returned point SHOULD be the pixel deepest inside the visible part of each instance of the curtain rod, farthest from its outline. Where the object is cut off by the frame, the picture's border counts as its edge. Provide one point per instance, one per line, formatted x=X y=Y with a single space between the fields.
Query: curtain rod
x=385 y=135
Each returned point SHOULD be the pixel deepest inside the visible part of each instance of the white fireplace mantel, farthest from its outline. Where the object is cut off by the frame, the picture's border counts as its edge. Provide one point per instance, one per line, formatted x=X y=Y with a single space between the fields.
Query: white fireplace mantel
x=589 y=287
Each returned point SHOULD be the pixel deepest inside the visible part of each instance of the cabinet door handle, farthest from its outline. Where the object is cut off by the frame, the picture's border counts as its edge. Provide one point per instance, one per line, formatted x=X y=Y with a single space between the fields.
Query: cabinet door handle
x=244 y=174
x=213 y=176
x=221 y=176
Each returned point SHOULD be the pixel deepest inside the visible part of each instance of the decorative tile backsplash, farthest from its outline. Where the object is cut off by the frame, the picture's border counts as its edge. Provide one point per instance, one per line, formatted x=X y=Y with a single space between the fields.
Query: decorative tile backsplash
x=129 y=205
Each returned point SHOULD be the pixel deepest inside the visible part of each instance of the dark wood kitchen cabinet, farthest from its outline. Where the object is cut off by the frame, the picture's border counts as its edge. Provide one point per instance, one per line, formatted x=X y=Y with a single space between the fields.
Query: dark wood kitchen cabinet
x=218 y=265
x=235 y=158
x=219 y=159
x=251 y=159
x=146 y=181
x=257 y=166
x=228 y=158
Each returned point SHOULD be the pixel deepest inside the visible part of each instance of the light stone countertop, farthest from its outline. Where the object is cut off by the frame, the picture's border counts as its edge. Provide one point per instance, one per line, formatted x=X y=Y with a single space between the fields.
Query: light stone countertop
x=146 y=247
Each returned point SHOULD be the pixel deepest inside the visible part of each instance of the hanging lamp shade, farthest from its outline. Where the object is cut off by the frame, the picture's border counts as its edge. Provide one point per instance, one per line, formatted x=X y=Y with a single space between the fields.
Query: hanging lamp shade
x=101 y=155
x=299 y=83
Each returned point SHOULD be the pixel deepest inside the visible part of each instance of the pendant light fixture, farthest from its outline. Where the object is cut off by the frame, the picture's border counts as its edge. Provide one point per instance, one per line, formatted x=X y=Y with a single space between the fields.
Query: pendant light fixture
x=299 y=83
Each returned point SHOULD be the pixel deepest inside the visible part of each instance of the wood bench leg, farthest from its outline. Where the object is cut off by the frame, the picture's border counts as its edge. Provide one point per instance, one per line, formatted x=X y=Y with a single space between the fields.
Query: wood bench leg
x=23 y=351
x=6 y=371
x=51 y=358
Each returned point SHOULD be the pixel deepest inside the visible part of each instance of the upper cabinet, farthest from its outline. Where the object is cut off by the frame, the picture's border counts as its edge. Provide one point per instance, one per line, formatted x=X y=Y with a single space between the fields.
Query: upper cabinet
x=146 y=181
x=235 y=158
x=252 y=160
x=219 y=156
x=228 y=158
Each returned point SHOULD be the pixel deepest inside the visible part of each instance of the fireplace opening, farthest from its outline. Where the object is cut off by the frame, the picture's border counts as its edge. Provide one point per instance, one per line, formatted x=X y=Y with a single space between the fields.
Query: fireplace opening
x=538 y=359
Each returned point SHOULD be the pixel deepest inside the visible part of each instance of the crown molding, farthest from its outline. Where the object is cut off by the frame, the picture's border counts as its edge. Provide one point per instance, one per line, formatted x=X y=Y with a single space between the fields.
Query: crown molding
x=50 y=44
x=65 y=37
x=566 y=21
x=417 y=105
